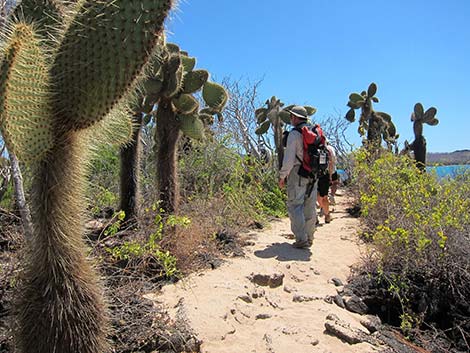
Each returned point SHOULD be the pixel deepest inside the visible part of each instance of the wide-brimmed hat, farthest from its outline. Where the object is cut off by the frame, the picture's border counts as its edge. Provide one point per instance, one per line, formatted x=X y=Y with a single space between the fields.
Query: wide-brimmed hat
x=299 y=112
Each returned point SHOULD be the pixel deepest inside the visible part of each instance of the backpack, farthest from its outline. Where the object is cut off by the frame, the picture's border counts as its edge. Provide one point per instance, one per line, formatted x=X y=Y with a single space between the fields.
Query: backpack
x=316 y=156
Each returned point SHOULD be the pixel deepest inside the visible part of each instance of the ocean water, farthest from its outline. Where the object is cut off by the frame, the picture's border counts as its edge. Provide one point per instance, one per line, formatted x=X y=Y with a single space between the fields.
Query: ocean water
x=443 y=171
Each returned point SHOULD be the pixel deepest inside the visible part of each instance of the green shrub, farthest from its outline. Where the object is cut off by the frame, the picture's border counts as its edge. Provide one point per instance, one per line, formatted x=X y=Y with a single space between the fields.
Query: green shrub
x=419 y=225
x=247 y=188
x=104 y=179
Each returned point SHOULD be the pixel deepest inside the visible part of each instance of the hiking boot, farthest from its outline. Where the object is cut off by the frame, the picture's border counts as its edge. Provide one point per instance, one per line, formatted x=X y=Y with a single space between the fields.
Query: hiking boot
x=328 y=218
x=301 y=244
x=310 y=241
x=317 y=222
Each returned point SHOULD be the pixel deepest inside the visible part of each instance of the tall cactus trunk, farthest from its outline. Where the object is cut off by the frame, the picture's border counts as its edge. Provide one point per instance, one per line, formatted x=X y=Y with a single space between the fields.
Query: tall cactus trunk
x=130 y=171
x=61 y=306
x=419 y=149
x=167 y=135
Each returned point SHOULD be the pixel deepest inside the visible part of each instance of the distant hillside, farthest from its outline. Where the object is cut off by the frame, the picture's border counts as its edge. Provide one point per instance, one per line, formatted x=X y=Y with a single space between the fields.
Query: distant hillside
x=456 y=157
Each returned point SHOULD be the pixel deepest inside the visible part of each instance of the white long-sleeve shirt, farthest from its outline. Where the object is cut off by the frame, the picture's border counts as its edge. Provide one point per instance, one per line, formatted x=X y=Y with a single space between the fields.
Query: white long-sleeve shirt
x=294 y=149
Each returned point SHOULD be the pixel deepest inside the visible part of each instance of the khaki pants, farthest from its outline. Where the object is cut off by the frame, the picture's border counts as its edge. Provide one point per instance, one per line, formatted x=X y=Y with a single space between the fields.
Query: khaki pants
x=301 y=207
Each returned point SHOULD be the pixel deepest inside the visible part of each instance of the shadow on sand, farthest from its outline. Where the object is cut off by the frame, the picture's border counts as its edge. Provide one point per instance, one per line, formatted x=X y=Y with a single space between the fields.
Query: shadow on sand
x=284 y=252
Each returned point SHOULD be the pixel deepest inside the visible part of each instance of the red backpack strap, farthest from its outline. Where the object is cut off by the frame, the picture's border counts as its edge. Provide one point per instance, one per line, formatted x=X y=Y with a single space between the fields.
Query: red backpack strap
x=320 y=133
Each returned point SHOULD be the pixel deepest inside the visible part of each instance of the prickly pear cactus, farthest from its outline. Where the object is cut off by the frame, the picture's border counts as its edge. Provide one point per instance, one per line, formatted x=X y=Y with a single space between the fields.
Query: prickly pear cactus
x=55 y=98
x=420 y=117
x=375 y=125
x=170 y=85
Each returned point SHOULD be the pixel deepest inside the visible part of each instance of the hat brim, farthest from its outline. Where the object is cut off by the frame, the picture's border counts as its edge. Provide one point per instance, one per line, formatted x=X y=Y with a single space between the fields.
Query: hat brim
x=297 y=115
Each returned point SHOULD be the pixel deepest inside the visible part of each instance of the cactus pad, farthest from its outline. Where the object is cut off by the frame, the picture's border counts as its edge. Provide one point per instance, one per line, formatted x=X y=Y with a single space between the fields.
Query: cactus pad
x=372 y=89
x=214 y=95
x=310 y=110
x=194 y=80
x=25 y=118
x=192 y=126
x=351 y=115
x=185 y=104
x=188 y=63
x=263 y=128
x=98 y=60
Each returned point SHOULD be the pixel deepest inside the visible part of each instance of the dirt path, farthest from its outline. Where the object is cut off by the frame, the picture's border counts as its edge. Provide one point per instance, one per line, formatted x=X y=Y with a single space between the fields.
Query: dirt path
x=231 y=314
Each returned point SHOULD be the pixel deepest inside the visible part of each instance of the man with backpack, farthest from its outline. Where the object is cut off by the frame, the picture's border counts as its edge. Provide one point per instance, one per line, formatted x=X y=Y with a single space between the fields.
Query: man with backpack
x=301 y=190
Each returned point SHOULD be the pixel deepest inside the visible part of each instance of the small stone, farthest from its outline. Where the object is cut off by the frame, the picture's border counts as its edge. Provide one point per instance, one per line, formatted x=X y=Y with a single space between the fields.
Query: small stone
x=356 y=305
x=276 y=280
x=273 y=281
x=371 y=323
x=299 y=298
x=263 y=316
x=337 y=282
x=288 y=289
x=315 y=342
x=259 y=279
x=338 y=299
x=232 y=311
x=246 y=298
x=340 y=289
x=332 y=317
x=288 y=266
x=258 y=294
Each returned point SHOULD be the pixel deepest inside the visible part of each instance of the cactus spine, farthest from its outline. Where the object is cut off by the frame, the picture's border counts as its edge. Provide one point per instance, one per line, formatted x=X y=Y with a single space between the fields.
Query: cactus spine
x=61 y=307
x=420 y=117
x=378 y=125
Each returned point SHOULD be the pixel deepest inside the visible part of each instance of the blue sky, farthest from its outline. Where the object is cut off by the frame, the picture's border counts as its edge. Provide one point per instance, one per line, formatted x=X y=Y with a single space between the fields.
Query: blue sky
x=317 y=52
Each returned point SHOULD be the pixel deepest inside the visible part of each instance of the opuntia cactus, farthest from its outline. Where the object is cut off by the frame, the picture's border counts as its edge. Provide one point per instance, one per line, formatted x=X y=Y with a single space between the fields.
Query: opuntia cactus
x=378 y=125
x=171 y=85
x=420 y=117
x=48 y=104
x=273 y=116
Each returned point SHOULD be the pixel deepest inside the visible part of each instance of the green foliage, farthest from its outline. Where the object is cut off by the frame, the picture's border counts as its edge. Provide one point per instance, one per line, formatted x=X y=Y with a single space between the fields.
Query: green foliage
x=417 y=223
x=137 y=251
x=246 y=187
x=115 y=225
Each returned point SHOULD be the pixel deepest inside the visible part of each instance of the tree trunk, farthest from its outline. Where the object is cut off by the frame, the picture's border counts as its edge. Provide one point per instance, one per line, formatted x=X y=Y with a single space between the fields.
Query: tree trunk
x=20 y=197
x=130 y=171
x=60 y=306
x=167 y=136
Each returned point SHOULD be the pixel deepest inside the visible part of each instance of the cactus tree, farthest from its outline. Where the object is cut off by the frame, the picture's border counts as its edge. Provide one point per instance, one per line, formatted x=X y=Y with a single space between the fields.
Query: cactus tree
x=420 y=117
x=273 y=116
x=171 y=83
x=378 y=125
x=53 y=102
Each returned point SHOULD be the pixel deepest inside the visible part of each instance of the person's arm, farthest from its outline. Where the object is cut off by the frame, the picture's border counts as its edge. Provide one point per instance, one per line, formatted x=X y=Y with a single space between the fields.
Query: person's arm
x=289 y=157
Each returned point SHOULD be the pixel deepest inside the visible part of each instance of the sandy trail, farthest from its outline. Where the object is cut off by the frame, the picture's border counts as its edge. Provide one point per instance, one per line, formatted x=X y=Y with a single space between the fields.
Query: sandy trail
x=231 y=314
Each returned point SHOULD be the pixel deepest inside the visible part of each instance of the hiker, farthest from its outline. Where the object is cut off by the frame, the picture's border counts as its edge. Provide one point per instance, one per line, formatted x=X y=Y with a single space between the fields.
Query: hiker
x=301 y=192
x=334 y=183
x=324 y=183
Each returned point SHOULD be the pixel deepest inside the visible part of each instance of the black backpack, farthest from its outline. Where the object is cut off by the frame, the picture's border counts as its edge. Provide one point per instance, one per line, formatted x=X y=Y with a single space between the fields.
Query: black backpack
x=316 y=156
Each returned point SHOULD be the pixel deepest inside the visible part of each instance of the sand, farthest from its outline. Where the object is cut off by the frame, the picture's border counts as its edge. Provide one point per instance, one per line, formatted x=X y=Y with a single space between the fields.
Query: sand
x=231 y=314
